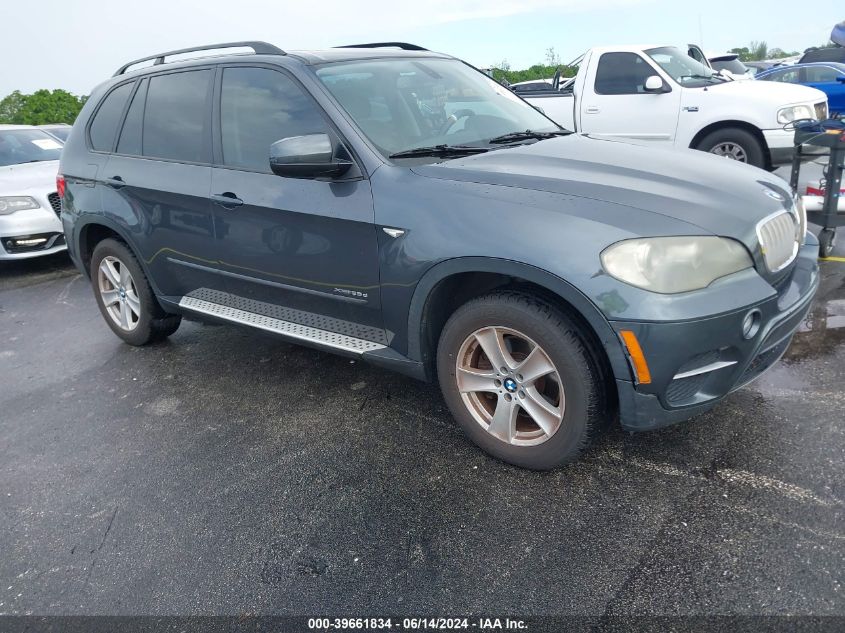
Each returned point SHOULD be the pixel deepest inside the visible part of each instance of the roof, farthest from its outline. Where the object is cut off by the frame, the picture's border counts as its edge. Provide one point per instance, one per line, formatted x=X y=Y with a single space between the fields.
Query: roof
x=354 y=54
x=836 y=65
x=269 y=53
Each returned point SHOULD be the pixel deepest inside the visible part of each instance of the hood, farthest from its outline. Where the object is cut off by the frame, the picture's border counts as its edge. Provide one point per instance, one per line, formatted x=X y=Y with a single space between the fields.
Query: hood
x=775 y=93
x=39 y=176
x=712 y=193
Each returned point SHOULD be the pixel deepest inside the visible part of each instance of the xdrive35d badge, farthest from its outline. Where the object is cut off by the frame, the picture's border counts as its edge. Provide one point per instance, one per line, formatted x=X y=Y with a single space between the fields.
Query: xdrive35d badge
x=551 y=283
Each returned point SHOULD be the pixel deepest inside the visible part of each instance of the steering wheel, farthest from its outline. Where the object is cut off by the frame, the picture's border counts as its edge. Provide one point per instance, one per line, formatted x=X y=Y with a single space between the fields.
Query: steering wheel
x=454 y=118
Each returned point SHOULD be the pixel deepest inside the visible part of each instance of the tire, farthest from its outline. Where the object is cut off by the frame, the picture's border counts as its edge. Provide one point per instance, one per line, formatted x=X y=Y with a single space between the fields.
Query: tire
x=521 y=323
x=827 y=242
x=132 y=311
x=732 y=139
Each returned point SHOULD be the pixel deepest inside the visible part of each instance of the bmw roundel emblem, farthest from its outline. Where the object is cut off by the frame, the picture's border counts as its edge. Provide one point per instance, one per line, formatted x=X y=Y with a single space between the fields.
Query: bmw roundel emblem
x=774 y=195
x=510 y=384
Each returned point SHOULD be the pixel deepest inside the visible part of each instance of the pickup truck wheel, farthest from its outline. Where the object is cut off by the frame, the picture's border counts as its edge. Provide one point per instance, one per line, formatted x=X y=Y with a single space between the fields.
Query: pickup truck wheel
x=520 y=380
x=735 y=144
x=125 y=297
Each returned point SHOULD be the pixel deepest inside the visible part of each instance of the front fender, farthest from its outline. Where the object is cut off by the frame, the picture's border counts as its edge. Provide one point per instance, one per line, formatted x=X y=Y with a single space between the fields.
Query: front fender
x=554 y=284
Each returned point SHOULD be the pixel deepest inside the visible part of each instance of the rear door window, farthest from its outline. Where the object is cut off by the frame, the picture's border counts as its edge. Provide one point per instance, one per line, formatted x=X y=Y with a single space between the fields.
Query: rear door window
x=104 y=126
x=176 y=117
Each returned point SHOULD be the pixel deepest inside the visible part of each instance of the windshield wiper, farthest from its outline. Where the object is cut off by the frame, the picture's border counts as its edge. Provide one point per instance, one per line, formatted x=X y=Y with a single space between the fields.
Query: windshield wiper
x=527 y=134
x=439 y=150
x=713 y=76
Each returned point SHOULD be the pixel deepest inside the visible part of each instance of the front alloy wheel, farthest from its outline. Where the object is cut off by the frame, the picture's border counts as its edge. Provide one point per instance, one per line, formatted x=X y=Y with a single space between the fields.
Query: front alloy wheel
x=118 y=293
x=521 y=379
x=510 y=386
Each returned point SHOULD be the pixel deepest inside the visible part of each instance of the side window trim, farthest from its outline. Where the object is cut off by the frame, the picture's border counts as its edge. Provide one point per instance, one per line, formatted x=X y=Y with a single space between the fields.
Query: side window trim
x=217 y=123
x=120 y=119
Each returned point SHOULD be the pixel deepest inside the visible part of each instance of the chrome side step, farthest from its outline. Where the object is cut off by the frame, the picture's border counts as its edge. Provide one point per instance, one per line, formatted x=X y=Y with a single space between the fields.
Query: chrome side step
x=289 y=329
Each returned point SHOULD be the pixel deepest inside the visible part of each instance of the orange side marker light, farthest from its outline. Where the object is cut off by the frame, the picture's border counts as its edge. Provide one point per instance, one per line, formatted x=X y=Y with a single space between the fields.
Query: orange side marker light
x=637 y=356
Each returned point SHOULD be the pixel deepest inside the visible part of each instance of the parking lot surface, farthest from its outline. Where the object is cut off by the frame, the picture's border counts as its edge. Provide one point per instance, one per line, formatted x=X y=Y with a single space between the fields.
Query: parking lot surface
x=223 y=472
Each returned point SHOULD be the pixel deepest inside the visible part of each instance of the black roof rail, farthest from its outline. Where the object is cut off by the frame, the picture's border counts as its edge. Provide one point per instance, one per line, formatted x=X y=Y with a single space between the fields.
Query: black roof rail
x=259 y=48
x=403 y=45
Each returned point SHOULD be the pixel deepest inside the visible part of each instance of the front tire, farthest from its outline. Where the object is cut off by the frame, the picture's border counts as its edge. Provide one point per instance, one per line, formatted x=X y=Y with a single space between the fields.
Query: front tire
x=735 y=144
x=521 y=381
x=125 y=297
x=827 y=242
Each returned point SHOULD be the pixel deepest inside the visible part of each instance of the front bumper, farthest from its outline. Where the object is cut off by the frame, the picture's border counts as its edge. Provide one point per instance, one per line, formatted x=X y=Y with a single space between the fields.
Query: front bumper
x=781 y=144
x=31 y=233
x=694 y=364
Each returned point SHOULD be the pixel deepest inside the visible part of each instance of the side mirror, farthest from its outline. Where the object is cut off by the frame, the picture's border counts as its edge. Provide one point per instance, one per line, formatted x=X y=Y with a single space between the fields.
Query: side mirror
x=841 y=79
x=654 y=84
x=309 y=156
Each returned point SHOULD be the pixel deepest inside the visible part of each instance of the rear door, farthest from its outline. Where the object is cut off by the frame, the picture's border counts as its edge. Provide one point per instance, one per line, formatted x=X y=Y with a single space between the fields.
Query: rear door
x=307 y=246
x=616 y=105
x=159 y=179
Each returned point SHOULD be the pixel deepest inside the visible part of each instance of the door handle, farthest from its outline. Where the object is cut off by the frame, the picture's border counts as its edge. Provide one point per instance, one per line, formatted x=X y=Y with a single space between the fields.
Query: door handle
x=592 y=110
x=227 y=200
x=115 y=182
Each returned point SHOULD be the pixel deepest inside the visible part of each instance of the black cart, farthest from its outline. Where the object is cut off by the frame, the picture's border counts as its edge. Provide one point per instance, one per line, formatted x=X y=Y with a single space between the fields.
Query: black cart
x=813 y=141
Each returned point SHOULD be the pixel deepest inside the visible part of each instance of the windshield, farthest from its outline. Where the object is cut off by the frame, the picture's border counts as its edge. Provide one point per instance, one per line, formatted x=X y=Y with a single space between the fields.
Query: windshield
x=27 y=146
x=731 y=65
x=60 y=133
x=683 y=68
x=402 y=104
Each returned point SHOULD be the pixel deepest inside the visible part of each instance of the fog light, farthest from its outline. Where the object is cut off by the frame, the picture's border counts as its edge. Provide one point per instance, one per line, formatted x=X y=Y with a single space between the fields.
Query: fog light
x=751 y=324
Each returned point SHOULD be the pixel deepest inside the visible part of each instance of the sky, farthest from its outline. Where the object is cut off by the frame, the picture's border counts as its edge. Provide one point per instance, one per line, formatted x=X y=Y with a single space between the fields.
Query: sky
x=76 y=44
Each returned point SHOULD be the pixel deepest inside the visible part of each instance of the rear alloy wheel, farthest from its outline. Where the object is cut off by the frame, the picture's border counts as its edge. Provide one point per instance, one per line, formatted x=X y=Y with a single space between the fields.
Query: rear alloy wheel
x=521 y=380
x=118 y=293
x=734 y=144
x=125 y=297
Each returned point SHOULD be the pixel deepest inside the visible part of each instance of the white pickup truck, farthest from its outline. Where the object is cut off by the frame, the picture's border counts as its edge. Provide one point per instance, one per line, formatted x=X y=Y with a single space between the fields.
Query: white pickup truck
x=661 y=95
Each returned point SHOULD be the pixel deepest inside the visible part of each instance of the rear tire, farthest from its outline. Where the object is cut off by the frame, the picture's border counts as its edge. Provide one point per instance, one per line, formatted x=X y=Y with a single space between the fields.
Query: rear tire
x=125 y=297
x=537 y=423
x=735 y=144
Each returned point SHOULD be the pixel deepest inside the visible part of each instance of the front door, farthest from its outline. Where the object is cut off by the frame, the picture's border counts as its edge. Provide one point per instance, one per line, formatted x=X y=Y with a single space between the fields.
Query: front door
x=616 y=104
x=299 y=250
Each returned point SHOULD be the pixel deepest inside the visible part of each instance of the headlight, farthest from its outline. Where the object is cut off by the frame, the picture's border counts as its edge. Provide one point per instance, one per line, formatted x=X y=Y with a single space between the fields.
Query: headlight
x=793 y=113
x=10 y=204
x=669 y=265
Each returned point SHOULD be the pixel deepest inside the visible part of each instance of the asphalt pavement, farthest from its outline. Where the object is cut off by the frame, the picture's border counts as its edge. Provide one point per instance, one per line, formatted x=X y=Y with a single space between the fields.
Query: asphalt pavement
x=224 y=472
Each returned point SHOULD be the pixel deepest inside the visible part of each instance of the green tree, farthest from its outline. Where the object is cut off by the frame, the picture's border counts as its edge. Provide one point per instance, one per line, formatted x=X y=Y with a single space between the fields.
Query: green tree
x=42 y=106
x=10 y=106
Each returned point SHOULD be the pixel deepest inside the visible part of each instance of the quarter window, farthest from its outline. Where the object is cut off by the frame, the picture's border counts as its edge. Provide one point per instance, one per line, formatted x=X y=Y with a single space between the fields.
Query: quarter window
x=175 y=117
x=622 y=74
x=258 y=107
x=104 y=126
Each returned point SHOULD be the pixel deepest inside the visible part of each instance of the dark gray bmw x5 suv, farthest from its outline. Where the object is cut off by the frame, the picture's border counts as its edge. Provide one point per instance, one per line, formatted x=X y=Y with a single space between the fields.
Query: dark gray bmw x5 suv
x=397 y=205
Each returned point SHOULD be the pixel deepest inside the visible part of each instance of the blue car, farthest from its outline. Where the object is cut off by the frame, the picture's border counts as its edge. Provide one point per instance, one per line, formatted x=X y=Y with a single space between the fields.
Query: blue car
x=829 y=77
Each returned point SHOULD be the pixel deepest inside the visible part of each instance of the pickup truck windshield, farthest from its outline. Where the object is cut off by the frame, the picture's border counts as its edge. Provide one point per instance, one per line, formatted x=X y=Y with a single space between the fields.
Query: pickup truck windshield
x=27 y=146
x=404 y=104
x=683 y=68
